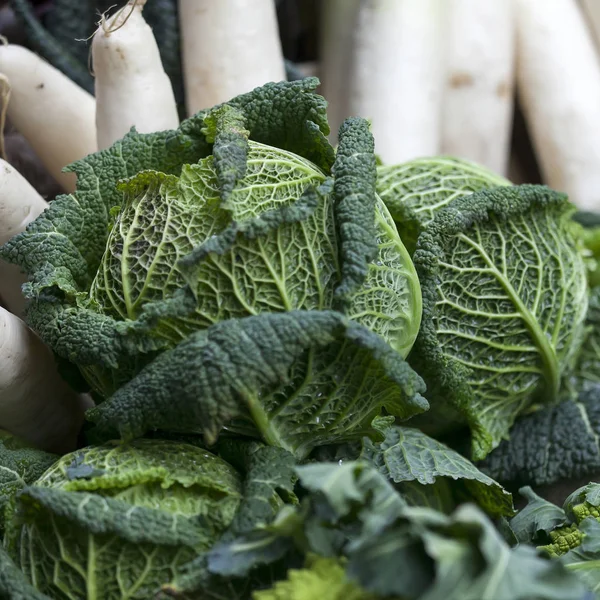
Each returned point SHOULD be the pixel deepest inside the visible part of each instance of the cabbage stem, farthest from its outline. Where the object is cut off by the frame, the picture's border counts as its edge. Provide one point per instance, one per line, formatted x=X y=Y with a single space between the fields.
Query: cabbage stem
x=54 y=114
x=132 y=88
x=19 y=205
x=229 y=47
x=558 y=80
x=397 y=76
x=35 y=403
x=478 y=97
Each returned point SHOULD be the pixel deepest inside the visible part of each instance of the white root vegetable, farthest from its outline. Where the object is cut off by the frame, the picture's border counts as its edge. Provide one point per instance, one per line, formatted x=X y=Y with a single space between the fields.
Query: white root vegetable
x=19 y=205
x=478 y=97
x=229 y=47
x=35 y=403
x=132 y=87
x=336 y=42
x=54 y=114
x=558 y=81
x=397 y=75
x=591 y=9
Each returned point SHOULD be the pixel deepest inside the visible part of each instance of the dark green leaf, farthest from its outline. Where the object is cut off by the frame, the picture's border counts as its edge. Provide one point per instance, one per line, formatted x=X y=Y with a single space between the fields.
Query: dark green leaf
x=407 y=454
x=229 y=380
x=539 y=516
x=504 y=301
x=558 y=442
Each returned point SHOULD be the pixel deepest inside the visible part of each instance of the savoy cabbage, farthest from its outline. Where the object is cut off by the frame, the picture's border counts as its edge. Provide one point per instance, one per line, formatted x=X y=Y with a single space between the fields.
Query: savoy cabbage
x=241 y=286
x=235 y=273
x=416 y=190
x=505 y=300
x=115 y=521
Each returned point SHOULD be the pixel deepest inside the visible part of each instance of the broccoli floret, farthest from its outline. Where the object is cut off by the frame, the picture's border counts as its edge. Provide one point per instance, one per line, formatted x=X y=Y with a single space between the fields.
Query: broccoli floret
x=563 y=539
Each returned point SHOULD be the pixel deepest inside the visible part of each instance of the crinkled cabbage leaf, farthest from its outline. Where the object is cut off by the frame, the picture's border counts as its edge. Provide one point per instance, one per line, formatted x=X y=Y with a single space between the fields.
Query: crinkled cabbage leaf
x=505 y=299
x=236 y=273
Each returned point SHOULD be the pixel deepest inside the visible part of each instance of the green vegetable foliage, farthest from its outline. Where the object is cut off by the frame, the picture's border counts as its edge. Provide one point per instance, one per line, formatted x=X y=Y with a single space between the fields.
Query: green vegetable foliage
x=239 y=300
x=505 y=299
x=416 y=190
x=117 y=521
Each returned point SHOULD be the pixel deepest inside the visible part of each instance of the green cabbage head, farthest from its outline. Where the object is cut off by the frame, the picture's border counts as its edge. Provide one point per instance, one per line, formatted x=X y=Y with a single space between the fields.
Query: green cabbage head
x=236 y=273
x=117 y=521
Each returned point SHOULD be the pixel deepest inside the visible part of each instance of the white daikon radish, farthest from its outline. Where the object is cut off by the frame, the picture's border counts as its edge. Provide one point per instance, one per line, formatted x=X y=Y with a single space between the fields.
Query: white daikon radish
x=337 y=27
x=35 y=403
x=478 y=98
x=19 y=205
x=398 y=78
x=591 y=9
x=132 y=87
x=229 y=47
x=558 y=80
x=54 y=114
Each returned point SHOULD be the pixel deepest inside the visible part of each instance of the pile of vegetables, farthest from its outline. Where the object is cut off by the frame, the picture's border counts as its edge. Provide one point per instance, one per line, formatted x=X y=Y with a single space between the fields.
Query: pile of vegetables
x=270 y=369
x=279 y=382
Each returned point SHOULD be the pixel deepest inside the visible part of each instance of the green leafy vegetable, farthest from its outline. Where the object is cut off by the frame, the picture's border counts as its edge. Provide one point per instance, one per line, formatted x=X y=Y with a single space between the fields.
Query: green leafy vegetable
x=590 y=236
x=537 y=518
x=407 y=455
x=238 y=279
x=505 y=298
x=392 y=550
x=250 y=279
x=20 y=465
x=416 y=190
x=144 y=510
x=588 y=365
x=13 y=583
x=322 y=578
x=556 y=443
x=570 y=534
x=584 y=559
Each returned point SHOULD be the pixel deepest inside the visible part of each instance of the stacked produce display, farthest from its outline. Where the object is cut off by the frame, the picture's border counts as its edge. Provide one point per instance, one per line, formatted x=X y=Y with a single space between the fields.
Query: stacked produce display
x=259 y=366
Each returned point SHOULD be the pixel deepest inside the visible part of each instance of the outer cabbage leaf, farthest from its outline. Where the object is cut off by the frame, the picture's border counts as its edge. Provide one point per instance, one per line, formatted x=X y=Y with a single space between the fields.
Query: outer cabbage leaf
x=556 y=443
x=590 y=236
x=21 y=465
x=416 y=190
x=587 y=374
x=78 y=544
x=407 y=454
x=268 y=483
x=504 y=304
x=285 y=409
x=13 y=583
x=119 y=520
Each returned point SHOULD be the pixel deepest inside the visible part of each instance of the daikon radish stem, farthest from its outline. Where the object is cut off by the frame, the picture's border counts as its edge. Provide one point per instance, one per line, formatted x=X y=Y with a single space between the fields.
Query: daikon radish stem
x=558 y=80
x=336 y=41
x=35 y=403
x=132 y=87
x=19 y=205
x=229 y=47
x=397 y=75
x=54 y=114
x=478 y=97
